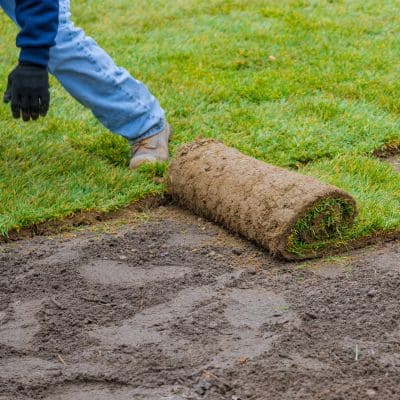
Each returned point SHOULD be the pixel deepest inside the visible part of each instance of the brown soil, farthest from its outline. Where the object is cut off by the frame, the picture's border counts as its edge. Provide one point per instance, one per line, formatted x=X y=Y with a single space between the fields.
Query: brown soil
x=258 y=200
x=172 y=307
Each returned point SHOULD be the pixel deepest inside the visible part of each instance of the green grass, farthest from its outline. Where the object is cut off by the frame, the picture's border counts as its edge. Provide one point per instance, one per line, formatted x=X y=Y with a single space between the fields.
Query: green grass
x=325 y=223
x=327 y=101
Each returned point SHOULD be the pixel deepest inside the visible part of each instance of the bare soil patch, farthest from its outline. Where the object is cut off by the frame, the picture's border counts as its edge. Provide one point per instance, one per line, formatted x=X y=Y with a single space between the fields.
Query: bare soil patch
x=173 y=307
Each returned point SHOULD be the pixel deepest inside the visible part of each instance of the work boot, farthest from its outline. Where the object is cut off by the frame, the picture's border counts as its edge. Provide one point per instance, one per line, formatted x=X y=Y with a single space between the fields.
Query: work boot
x=152 y=149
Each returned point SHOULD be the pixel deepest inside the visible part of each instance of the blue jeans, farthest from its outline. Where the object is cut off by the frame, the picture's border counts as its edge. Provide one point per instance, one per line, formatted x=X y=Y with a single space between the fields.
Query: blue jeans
x=121 y=103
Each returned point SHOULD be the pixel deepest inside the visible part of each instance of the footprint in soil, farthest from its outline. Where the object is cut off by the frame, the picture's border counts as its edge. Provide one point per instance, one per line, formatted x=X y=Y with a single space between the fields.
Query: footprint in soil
x=107 y=392
x=28 y=370
x=252 y=314
x=246 y=317
x=153 y=325
x=21 y=327
x=120 y=273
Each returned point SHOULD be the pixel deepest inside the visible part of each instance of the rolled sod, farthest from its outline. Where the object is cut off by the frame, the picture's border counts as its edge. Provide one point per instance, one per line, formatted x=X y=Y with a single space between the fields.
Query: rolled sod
x=291 y=215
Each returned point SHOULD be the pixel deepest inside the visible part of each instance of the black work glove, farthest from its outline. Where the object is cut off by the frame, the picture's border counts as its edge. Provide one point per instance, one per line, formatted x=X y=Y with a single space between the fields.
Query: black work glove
x=28 y=91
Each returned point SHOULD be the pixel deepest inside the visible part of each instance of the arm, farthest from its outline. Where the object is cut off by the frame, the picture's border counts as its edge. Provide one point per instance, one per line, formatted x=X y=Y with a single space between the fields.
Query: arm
x=38 y=20
x=28 y=83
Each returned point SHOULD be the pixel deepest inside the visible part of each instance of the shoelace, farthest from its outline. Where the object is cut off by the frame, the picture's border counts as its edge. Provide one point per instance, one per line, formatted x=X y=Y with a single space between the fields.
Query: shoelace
x=144 y=144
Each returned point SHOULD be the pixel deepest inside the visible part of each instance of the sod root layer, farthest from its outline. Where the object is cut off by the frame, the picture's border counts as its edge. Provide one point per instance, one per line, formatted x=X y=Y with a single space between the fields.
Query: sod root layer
x=173 y=307
x=292 y=215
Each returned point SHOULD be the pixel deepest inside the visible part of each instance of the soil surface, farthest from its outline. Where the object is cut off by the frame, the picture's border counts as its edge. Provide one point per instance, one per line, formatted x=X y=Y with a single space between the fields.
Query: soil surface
x=169 y=306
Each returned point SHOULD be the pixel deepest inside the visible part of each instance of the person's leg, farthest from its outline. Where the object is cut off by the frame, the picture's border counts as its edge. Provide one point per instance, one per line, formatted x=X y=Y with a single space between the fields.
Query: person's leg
x=120 y=102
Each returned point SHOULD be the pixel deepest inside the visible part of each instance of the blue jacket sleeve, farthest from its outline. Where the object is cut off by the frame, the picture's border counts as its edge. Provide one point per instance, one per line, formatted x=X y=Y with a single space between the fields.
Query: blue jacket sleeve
x=38 y=20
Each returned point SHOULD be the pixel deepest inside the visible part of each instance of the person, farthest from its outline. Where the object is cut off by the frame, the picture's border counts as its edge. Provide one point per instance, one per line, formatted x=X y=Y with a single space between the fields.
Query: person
x=50 y=43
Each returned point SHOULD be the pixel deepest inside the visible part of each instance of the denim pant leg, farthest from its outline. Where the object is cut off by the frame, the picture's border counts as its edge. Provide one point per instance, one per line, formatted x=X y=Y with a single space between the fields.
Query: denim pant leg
x=121 y=103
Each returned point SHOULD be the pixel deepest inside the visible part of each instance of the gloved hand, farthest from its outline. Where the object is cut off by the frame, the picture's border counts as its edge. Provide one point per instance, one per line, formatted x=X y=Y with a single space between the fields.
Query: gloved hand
x=28 y=91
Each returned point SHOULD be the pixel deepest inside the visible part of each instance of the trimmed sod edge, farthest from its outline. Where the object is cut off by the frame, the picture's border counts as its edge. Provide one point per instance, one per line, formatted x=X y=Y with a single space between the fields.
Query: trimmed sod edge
x=83 y=218
x=89 y=218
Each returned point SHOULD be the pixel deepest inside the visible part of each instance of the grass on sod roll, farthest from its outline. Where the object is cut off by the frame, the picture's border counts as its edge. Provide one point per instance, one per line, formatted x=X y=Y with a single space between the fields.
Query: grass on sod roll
x=306 y=84
x=325 y=223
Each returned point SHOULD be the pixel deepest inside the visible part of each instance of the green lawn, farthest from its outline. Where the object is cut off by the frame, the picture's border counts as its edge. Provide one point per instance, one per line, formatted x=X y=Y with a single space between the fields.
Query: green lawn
x=328 y=98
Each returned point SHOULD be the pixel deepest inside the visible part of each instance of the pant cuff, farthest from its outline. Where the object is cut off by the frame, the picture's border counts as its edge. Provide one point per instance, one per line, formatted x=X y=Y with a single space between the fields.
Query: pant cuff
x=151 y=132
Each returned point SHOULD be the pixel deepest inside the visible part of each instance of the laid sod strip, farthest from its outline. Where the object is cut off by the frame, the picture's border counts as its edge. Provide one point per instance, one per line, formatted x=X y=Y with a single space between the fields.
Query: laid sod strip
x=323 y=104
x=279 y=209
x=42 y=180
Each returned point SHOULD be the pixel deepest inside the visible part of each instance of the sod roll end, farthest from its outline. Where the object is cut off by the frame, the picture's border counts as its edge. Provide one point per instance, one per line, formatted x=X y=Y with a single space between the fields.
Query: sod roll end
x=292 y=215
